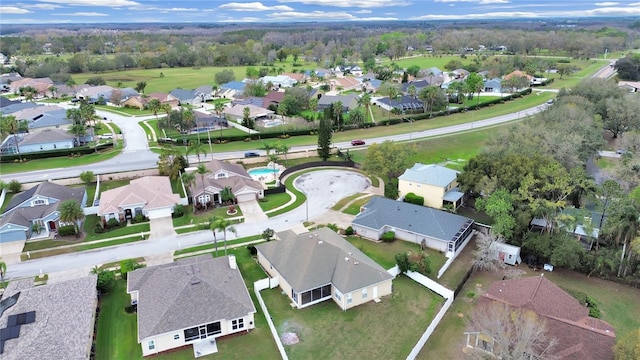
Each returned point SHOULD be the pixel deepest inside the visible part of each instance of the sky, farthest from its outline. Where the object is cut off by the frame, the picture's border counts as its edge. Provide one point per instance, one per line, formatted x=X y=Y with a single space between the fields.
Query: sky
x=221 y=11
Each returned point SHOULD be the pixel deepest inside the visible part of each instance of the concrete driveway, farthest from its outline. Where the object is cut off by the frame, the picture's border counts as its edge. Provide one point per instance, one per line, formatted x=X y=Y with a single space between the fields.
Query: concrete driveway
x=252 y=211
x=161 y=228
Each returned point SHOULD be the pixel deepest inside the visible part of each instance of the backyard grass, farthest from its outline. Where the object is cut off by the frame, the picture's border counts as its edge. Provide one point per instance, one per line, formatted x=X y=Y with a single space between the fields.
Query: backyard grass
x=385 y=330
x=117 y=331
x=7 y=199
x=58 y=250
x=60 y=162
x=384 y=253
x=354 y=207
x=273 y=201
x=342 y=203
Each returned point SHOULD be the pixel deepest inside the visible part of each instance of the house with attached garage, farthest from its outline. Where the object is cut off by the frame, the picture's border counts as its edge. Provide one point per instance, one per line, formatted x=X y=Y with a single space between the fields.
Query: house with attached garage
x=34 y=214
x=320 y=265
x=190 y=302
x=224 y=174
x=437 y=184
x=53 y=321
x=48 y=139
x=150 y=196
x=439 y=230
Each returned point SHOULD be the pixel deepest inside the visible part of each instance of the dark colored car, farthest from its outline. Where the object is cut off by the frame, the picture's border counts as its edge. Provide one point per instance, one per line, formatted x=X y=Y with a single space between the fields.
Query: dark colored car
x=357 y=142
x=250 y=154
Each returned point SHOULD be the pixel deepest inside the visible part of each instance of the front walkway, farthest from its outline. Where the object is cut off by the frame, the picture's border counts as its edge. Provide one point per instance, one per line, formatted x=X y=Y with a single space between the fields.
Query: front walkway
x=252 y=211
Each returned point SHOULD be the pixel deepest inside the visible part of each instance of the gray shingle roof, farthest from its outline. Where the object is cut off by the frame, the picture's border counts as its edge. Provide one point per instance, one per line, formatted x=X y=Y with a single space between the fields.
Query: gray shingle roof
x=183 y=95
x=46 y=136
x=320 y=257
x=64 y=322
x=48 y=189
x=437 y=224
x=431 y=174
x=188 y=293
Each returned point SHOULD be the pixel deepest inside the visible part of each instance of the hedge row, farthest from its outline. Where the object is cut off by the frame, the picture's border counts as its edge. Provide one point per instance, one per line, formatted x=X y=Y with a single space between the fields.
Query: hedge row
x=80 y=150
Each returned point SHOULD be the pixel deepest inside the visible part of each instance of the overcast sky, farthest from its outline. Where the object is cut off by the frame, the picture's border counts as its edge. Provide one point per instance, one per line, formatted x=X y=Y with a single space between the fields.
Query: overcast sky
x=128 y=11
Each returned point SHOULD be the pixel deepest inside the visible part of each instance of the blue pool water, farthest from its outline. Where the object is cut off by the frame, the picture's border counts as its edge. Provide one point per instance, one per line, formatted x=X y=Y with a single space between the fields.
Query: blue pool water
x=262 y=171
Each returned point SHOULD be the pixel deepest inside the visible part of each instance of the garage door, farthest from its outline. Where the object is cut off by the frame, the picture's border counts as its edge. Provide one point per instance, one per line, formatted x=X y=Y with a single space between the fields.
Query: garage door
x=159 y=213
x=246 y=197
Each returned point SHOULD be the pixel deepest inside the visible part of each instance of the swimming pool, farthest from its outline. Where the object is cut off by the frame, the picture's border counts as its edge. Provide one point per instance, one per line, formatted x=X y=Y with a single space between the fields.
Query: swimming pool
x=272 y=123
x=262 y=171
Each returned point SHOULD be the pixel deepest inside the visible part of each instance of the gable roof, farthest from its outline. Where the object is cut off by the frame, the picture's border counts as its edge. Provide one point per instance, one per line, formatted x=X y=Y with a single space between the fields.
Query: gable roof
x=579 y=336
x=50 y=190
x=188 y=293
x=233 y=85
x=348 y=100
x=272 y=97
x=153 y=192
x=321 y=257
x=254 y=111
x=403 y=102
x=430 y=174
x=380 y=212
x=239 y=178
x=182 y=94
x=46 y=136
x=518 y=73
x=64 y=319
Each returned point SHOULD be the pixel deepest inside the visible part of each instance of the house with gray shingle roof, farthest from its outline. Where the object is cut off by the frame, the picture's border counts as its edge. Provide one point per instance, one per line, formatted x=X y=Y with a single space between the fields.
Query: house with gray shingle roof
x=320 y=265
x=53 y=321
x=186 y=96
x=438 y=185
x=48 y=139
x=191 y=301
x=440 y=230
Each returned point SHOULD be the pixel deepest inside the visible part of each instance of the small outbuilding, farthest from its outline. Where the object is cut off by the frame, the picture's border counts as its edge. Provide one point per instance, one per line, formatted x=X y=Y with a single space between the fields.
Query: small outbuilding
x=506 y=253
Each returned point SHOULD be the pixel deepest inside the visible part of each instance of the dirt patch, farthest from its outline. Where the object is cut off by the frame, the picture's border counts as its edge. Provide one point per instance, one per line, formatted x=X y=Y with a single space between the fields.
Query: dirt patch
x=71 y=238
x=289 y=338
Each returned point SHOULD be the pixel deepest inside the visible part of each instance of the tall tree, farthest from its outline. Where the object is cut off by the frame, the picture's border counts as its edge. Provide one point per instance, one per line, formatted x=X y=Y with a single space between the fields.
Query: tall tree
x=222 y=224
x=70 y=211
x=219 y=108
x=140 y=86
x=3 y=270
x=324 y=138
x=202 y=171
x=499 y=206
x=365 y=100
x=189 y=179
x=283 y=148
x=388 y=160
x=155 y=107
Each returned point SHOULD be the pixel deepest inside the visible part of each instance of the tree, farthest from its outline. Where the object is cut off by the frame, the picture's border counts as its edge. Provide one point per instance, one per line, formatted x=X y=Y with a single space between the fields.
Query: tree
x=70 y=211
x=268 y=234
x=14 y=186
x=324 y=138
x=282 y=148
x=475 y=83
x=247 y=121
x=622 y=114
x=623 y=224
x=87 y=176
x=428 y=96
x=226 y=195
x=189 y=179
x=202 y=170
x=393 y=93
x=3 y=270
x=628 y=68
x=356 y=117
x=388 y=160
x=219 y=223
x=485 y=252
x=337 y=114
x=365 y=100
x=219 y=108
x=565 y=69
x=95 y=81
x=499 y=205
x=140 y=86
x=155 y=107
x=516 y=333
x=627 y=347
x=224 y=76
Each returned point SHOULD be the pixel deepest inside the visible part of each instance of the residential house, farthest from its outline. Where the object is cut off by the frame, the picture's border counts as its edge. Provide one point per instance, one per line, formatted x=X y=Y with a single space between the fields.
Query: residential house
x=418 y=84
x=577 y=336
x=279 y=81
x=345 y=83
x=631 y=86
x=48 y=139
x=34 y=213
x=141 y=102
x=272 y=98
x=95 y=93
x=137 y=102
x=164 y=98
x=61 y=91
x=434 y=71
x=231 y=89
x=224 y=174
x=584 y=224
x=349 y=101
x=460 y=74
x=188 y=97
x=403 y=103
x=437 y=184
x=150 y=196
x=40 y=117
x=320 y=265
x=53 y=321
x=40 y=84
x=255 y=112
x=301 y=78
x=519 y=74
x=5 y=101
x=370 y=85
x=437 y=229
x=191 y=301
x=251 y=100
x=205 y=92
x=493 y=86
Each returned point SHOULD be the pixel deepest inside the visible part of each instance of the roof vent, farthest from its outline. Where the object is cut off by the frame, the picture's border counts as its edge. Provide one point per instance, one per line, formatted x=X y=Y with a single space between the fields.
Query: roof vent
x=195 y=280
x=310 y=236
x=349 y=253
x=346 y=259
x=356 y=263
x=319 y=241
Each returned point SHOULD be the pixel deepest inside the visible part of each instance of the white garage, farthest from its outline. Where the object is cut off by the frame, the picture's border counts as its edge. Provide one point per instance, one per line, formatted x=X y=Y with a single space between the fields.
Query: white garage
x=246 y=197
x=159 y=213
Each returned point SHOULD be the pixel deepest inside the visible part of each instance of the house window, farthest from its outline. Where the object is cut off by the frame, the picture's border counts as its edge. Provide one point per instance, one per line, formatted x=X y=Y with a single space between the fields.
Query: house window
x=203 y=199
x=237 y=324
x=39 y=202
x=349 y=299
x=221 y=175
x=364 y=293
x=176 y=337
x=152 y=345
x=338 y=295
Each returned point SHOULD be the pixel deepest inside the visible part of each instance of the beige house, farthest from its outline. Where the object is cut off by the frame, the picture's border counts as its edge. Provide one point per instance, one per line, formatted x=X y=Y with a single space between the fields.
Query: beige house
x=437 y=184
x=225 y=174
x=190 y=302
x=150 y=196
x=255 y=112
x=321 y=265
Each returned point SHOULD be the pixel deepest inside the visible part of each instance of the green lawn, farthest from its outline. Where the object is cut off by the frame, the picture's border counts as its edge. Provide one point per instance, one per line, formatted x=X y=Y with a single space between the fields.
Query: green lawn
x=124 y=110
x=117 y=331
x=342 y=203
x=60 y=162
x=384 y=253
x=385 y=330
x=7 y=199
x=354 y=208
x=212 y=246
x=188 y=217
x=273 y=201
x=90 y=222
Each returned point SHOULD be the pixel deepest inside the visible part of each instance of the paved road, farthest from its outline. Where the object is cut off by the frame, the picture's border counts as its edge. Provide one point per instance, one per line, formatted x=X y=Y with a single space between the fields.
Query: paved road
x=323 y=188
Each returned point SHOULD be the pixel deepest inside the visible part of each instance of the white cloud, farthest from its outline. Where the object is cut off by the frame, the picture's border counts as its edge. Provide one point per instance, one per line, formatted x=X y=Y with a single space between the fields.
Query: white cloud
x=254 y=6
x=42 y=6
x=313 y=15
x=481 y=2
x=95 y=3
x=180 y=9
x=80 y=13
x=604 y=11
x=363 y=11
x=607 y=3
x=351 y=3
x=13 y=10
x=242 y=20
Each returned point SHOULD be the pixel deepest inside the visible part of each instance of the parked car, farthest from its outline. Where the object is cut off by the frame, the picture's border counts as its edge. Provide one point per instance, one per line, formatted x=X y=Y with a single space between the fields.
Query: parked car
x=357 y=142
x=250 y=154
x=106 y=136
x=550 y=101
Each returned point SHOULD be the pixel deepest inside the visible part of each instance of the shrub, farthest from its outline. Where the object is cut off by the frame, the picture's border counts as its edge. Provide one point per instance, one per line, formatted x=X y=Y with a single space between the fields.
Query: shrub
x=389 y=236
x=113 y=223
x=14 y=186
x=402 y=259
x=470 y=295
x=106 y=279
x=252 y=250
x=349 y=231
x=178 y=211
x=414 y=199
x=66 y=230
x=139 y=218
x=333 y=227
x=98 y=229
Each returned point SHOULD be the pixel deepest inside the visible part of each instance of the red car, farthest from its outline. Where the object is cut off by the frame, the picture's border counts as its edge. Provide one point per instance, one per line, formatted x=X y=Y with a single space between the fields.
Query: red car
x=357 y=142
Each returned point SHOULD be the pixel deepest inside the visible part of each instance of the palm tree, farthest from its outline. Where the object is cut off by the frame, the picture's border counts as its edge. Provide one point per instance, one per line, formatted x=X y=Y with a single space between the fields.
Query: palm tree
x=281 y=147
x=155 y=107
x=273 y=159
x=412 y=91
x=166 y=108
x=226 y=195
x=393 y=95
x=219 y=108
x=54 y=91
x=202 y=170
x=189 y=179
x=70 y=211
x=3 y=270
x=357 y=117
x=428 y=95
x=625 y=223
x=268 y=147
x=219 y=223
x=197 y=147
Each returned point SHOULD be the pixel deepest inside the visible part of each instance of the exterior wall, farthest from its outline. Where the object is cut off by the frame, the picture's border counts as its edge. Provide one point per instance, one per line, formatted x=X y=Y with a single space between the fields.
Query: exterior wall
x=432 y=194
x=384 y=289
x=10 y=233
x=272 y=272
x=367 y=232
x=168 y=340
x=66 y=144
x=417 y=238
